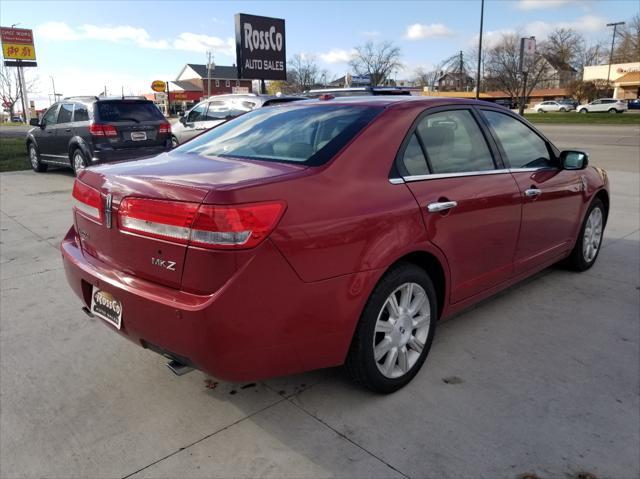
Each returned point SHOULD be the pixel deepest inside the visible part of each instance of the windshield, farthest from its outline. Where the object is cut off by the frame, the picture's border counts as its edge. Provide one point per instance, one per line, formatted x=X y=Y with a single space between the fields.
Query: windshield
x=310 y=134
x=122 y=110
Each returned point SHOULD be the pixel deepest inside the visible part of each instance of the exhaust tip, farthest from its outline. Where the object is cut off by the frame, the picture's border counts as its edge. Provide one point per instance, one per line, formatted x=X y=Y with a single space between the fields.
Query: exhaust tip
x=178 y=368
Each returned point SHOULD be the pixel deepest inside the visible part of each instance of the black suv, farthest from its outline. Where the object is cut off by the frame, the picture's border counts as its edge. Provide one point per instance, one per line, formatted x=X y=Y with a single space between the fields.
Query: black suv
x=84 y=131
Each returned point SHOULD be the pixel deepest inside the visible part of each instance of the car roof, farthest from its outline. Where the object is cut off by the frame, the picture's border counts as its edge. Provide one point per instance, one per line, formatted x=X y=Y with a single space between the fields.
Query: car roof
x=392 y=100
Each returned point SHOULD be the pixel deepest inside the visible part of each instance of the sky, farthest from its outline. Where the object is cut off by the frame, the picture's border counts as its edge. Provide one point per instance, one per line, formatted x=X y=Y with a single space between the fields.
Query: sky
x=126 y=45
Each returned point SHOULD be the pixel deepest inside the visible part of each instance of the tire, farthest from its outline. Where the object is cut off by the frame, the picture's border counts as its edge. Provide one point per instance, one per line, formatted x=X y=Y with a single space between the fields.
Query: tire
x=78 y=161
x=584 y=110
x=394 y=339
x=34 y=159
x=540 y=110
x=563 y=110
x=583 y=256
x=174 y=141
x=612 y=110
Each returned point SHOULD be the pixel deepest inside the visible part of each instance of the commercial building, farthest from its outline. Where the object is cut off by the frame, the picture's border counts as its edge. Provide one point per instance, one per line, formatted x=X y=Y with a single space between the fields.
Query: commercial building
x=624 y=76
x=192 y=85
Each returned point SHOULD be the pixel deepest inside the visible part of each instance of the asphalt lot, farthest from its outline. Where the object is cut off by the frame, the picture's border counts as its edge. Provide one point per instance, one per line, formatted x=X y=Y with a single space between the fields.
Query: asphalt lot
x=542 y=379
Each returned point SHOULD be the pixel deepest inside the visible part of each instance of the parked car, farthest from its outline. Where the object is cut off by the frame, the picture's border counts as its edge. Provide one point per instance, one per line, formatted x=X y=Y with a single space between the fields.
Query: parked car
x=569 y=101
x=327 y=232
x=218 y=109
x=506 y=103
x=547 y=106
x=16 y=119
x=609 y=105
x=633 y=104
x=82 y=131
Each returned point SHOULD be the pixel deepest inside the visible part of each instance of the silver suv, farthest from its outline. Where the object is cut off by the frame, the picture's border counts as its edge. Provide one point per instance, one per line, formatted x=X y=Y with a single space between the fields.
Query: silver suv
x=218 y=109
x=609 y=105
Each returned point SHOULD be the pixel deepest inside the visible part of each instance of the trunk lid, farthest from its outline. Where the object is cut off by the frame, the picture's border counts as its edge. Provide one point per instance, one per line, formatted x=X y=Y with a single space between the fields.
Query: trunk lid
x=175 y=177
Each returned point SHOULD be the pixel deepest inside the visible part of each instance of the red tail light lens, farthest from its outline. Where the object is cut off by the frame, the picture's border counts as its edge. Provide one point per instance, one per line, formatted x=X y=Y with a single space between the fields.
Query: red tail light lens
x=97 y=129
x=167 y=220
x=206 y=226
x=87 y=202
x=165 y=128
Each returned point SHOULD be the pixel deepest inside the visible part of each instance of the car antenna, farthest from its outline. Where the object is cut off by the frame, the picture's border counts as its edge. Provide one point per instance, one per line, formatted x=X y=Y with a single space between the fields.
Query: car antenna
x=122 y=90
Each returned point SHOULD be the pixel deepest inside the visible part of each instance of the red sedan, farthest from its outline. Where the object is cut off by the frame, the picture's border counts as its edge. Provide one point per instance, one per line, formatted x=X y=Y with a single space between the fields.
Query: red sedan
x=327 y=232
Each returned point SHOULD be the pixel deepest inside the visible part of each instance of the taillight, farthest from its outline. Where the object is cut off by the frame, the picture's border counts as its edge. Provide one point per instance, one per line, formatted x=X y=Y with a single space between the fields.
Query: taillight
x=98 y=129
x=206 y=226
x=87 y=202
x=165 y=128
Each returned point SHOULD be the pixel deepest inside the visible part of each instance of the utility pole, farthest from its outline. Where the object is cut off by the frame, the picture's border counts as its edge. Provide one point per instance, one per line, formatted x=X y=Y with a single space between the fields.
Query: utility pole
x=479 y=51
x=55 y=98
x=209 y=64
x=460 y=75
x=613 y=41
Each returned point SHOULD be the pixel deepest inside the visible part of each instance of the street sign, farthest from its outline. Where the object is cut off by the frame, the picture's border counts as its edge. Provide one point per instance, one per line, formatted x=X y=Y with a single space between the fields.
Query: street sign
x=260 y=47
x=17 y=44
x=527 y=53
x=158 y=85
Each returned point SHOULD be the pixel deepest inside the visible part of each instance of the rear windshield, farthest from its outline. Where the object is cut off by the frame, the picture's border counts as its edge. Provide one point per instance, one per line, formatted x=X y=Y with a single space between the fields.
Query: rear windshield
x=308 y=134
x=122 y=110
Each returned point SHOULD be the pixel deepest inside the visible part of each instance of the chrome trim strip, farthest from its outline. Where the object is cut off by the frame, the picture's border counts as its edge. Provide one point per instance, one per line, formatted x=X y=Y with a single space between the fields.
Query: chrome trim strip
x=396 y=181
x=54 y=156
x=107 y=210
x=455 y=175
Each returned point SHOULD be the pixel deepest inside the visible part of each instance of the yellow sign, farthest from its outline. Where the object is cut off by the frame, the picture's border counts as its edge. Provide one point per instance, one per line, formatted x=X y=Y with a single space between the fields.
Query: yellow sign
x=15 y=51
x=159 y=86
x=17 y=44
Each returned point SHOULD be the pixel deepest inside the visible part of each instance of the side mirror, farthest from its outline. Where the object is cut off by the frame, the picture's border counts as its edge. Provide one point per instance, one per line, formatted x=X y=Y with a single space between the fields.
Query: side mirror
x=181 y=113
x=34 y=122
x=574 y=160
x=183 y=119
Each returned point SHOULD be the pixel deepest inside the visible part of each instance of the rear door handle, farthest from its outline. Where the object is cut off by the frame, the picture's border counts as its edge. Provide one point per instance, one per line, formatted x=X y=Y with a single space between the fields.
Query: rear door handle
x=441 y=206
x=532 y=192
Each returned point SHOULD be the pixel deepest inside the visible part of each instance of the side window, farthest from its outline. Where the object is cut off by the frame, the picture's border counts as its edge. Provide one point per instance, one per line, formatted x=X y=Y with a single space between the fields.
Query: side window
x=66 y=110
x=198 y=113
x=218 y=110
x=454 y=143
x=523 y=147
x=413 y=158
x=49 y=117
x=596 y=102
x=80 y=112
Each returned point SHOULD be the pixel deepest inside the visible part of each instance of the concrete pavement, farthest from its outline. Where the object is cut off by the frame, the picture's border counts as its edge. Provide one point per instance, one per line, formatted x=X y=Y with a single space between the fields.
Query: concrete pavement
x=542 y=379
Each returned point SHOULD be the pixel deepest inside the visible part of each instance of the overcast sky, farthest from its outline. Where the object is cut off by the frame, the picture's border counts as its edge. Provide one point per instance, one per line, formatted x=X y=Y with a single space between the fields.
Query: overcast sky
x=86 y=45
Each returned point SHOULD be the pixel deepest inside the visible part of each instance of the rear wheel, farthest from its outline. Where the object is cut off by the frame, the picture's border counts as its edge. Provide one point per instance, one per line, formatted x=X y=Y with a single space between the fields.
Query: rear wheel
x=588 y=244
x=613 y=111
x=34 y=159
x=78 y=161
x=395 y=331
x=563 y=109
x=174 y=141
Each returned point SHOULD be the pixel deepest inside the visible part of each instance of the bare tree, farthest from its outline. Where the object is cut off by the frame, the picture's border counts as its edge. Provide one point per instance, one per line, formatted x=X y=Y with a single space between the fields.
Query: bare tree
x=564 y=45
x=10 y=91
x=628 y=43
x=502 y=66
x=425 y=78
x=303 y=72
x=376 y=60
x=594 y=54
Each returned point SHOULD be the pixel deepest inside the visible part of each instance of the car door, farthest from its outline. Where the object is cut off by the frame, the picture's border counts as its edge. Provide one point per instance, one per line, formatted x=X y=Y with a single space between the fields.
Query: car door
x=193 y=123
x=45 y=136
x=63 y=132
x=551 y=197
x=596 y=105
x=469 y=202
x=218 y=111
x=554 y=106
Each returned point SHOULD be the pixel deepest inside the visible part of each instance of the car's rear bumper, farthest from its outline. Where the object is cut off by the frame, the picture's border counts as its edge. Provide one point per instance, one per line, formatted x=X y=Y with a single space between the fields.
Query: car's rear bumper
x=109 y=155
x=263 y=322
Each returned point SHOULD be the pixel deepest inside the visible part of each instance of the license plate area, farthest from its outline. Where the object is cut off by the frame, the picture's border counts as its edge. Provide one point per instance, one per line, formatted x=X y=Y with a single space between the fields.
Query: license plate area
x=106 y=307
x=138 y=135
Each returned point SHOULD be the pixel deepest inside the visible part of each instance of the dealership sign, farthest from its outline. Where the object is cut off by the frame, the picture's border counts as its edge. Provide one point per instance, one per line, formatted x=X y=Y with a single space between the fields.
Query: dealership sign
x=260 y=47
x=17 y=44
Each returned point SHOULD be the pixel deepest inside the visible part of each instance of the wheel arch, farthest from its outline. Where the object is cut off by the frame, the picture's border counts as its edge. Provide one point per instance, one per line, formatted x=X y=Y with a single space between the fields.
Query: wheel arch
x=77 y=142
x=434 y=268
x=603 y=196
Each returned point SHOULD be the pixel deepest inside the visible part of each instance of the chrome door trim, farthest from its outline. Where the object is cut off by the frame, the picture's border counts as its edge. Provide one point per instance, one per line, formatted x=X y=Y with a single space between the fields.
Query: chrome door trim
x=441 y=206
x=437 y=176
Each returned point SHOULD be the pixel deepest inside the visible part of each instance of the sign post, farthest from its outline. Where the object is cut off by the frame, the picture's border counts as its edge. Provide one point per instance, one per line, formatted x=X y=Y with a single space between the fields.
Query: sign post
x=527 y=55
x=260 y=48
x=19 y=51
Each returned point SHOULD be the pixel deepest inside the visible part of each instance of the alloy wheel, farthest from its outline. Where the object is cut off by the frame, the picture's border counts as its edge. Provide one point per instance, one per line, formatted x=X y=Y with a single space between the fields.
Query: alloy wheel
x=401 y=330
x=33 y=157
x=78 y=162
x=592 y=235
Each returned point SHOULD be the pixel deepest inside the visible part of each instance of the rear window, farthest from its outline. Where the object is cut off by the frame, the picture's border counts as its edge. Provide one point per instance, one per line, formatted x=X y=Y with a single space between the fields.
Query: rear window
x=137 y=111
x=309 y=135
